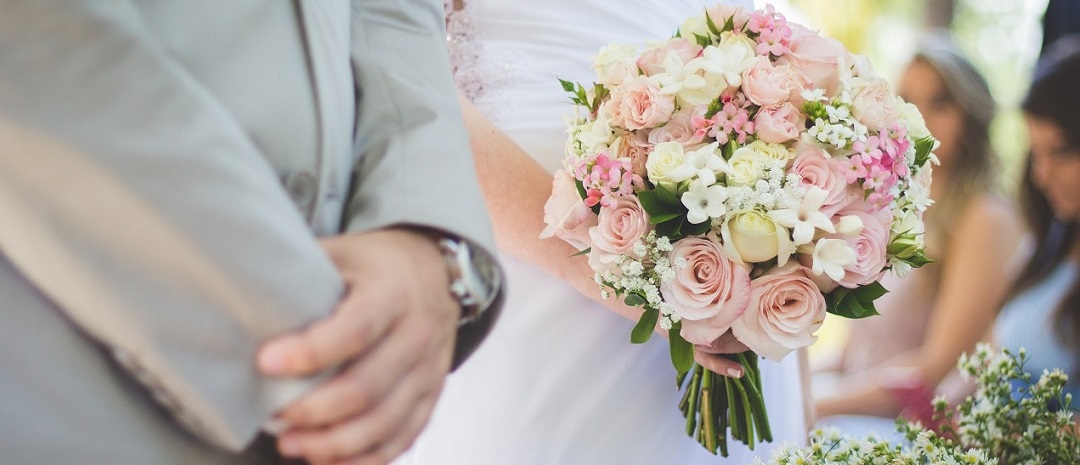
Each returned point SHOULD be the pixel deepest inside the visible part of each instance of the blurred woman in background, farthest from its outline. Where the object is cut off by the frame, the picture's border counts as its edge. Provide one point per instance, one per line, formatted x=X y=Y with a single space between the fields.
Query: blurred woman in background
x=1042 y=313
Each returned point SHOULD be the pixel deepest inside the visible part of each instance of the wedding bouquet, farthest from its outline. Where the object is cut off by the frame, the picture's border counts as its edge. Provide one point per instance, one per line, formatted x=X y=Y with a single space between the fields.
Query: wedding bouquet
x=746 y=175
x=1011 y=419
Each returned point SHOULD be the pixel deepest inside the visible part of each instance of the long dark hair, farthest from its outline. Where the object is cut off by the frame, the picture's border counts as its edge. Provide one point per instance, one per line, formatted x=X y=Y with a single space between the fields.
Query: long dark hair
x=1053 y=96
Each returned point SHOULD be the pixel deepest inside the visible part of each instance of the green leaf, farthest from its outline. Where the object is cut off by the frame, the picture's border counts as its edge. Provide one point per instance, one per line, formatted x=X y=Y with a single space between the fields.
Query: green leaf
x=918 y=260
x=643 y=331
x=661 y=205
x=923 y=147
x=566 y=85
x=672 y=229
x=712 y=26
x=635 y=300
x=699 y=229
x=703 y=41
x=682 y=352
x=657 y=219
x=854 y=303
x=729 y=25
x=583 y=252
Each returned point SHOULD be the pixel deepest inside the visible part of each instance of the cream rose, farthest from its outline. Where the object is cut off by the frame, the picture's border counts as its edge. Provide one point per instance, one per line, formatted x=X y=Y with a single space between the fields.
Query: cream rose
x=614 y=63
x=779 y=123
x=784 y=310
x=665 y=159
x=566 y=215
x=638 y=104
x=708 y=293
x=874 y=104
x=752 y=236
x=766 y=83
x=819 y=58
x=912 y=118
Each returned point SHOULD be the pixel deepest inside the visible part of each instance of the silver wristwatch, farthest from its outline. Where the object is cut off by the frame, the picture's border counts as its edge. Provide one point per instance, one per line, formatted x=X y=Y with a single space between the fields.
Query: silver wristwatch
x=475 y=279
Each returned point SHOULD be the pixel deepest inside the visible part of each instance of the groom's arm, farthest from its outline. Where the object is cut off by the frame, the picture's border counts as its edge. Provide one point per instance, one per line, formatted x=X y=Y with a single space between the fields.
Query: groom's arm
x=133 y=199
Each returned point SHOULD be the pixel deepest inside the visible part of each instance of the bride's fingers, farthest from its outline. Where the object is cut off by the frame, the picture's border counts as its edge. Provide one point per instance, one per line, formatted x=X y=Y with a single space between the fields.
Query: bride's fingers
x=718 y=364
x=725 y=344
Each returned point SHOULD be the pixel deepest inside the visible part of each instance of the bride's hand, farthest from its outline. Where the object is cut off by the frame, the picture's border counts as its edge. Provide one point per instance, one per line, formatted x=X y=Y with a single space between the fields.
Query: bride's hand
x=712 y=356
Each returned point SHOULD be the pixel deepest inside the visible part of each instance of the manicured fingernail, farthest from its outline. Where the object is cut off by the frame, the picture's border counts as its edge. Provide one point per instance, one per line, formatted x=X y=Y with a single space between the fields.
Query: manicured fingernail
x=734 y=372
x=289 y=447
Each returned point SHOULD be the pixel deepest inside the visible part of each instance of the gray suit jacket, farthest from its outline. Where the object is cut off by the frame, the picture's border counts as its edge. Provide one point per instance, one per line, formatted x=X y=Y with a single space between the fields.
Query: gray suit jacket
x=165 y=169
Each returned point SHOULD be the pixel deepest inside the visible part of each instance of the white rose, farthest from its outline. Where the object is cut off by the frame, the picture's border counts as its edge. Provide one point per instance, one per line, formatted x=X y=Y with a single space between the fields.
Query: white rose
x=752 y=236
x=718 y=68
x=665 y=160
x=748 y=163
x=614 y=62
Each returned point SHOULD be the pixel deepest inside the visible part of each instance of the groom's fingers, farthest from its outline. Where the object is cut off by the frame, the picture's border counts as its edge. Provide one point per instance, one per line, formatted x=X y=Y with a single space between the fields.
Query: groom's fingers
x=365 y=382
x=394 y=418
x=359 y=321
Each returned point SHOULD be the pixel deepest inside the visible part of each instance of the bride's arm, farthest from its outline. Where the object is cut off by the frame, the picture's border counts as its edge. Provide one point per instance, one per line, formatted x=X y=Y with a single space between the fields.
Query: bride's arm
x=516 y=188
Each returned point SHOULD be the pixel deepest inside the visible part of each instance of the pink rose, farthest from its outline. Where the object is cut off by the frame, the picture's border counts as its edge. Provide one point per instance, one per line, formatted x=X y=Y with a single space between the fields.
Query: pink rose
x=566 y=215
x=619 y=227
x=766 y=83
x=784 y=311
x=870 y=246
x=779 y=123
x=814 y=166
x=874 y=105
x=709 y=293
x=819 y=58
x=678 y=129
x=638 y=104
x=652 y=60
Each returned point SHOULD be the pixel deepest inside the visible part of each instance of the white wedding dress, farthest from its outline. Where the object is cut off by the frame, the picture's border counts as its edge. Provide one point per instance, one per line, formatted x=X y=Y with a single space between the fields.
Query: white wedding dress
x=558 y=382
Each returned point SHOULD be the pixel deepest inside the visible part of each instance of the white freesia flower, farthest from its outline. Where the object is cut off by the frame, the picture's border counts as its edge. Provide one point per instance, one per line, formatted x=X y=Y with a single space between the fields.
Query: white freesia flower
x=704 y=202
x=849 y=225
x=802 y=217
x=831 y=256
x=705 y=162
x=595 y=136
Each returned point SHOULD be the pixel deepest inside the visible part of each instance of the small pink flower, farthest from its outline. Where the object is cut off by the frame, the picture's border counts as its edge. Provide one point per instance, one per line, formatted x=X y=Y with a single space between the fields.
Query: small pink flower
x=638 y=104
x=605 y=179
x=709 y=293
x=784 y=310
x=766 y=83
x=566 y=215
x=779 y=123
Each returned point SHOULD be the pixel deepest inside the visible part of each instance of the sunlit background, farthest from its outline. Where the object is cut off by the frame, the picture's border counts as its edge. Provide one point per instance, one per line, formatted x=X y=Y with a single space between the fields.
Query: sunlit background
x=1001 y=37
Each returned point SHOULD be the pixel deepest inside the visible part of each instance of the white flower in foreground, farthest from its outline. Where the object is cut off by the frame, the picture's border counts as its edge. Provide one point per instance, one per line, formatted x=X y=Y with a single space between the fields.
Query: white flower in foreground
x=831 y=256
x=802 y=217
x=704 y=202
x=705 y=162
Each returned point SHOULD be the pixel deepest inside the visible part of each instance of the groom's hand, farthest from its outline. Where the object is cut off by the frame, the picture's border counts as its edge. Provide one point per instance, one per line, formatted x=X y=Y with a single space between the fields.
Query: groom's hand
x=392 y=334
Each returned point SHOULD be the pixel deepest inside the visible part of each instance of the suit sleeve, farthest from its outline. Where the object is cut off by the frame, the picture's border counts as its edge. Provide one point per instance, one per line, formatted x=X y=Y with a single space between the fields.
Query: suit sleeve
x=131 y=198
x=414 y=165
x=414 y=161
